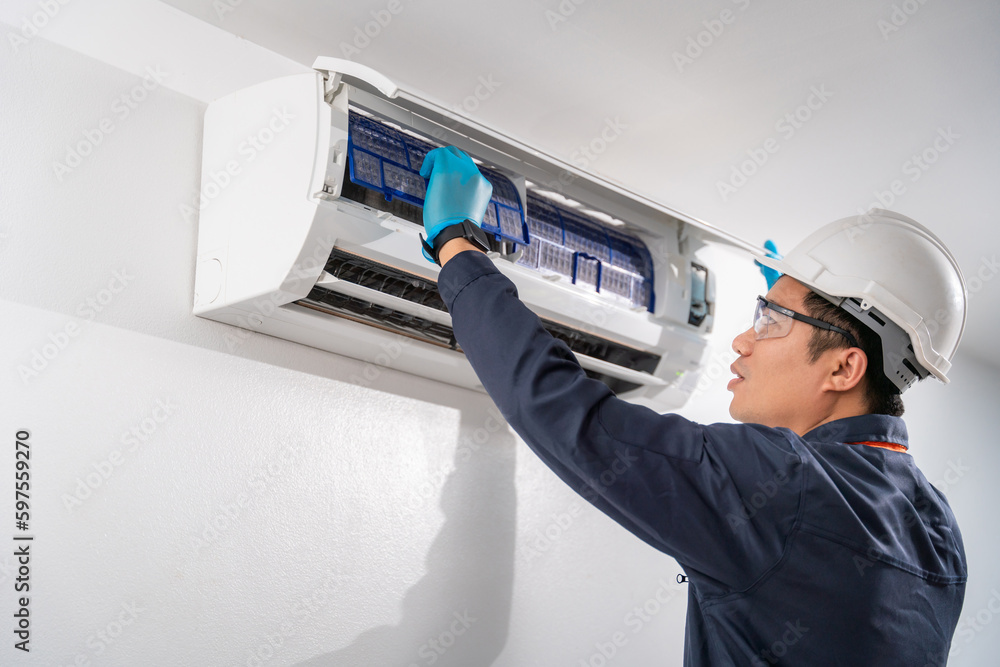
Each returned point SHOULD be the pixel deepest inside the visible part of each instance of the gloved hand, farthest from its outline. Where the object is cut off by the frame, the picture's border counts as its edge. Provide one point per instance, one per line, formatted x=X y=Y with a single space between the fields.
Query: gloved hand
x=770 y=275
x=457 y=191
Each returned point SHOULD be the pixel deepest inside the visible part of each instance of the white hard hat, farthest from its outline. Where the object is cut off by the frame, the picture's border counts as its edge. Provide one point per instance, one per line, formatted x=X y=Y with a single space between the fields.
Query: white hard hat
x=884 y=265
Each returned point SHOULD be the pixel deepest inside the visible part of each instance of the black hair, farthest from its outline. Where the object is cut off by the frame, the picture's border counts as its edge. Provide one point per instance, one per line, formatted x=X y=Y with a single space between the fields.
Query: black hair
x=880 y=394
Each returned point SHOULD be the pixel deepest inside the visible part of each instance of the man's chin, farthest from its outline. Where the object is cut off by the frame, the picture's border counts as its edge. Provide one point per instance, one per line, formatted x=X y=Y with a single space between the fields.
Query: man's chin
x=737 y=412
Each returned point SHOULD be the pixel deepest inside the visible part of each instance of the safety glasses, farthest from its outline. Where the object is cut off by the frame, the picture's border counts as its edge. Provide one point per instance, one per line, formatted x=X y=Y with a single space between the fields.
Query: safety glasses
x=773 y=321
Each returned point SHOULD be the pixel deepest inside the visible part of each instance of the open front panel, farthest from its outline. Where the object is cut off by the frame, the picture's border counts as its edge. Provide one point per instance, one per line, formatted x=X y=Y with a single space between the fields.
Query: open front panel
x=555 y=239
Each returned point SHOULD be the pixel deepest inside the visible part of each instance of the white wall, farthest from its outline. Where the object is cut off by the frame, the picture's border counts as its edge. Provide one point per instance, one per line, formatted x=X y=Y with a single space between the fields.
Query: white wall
x=275 y=501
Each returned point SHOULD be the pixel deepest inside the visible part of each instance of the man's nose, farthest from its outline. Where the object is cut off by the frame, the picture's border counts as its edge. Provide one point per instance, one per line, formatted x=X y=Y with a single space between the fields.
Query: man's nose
x=743 y=343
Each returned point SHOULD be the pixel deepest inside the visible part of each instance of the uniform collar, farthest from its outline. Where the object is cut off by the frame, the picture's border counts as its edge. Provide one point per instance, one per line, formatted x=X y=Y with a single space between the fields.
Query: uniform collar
x=874 y=428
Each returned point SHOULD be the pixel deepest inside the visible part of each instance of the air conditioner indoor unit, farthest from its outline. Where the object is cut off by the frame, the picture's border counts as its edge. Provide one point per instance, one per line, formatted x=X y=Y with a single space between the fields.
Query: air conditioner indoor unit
x=309 y=218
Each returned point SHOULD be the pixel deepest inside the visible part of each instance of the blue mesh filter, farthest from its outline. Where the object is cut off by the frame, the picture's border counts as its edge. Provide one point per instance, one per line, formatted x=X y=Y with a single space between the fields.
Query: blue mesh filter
x=388 y=161
x=543 y=220
x=616 y=281
x=630 y=254
x=556 y=258
x=529 y=257
x=569 y=243
x=584 y=235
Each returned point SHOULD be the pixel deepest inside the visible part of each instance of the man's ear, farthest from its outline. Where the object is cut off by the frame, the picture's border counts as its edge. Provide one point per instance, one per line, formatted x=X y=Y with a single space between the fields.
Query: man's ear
x=847 y=368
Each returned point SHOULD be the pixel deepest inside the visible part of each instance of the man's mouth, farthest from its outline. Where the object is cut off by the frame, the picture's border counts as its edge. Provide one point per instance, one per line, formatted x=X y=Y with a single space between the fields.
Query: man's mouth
x=736 y=380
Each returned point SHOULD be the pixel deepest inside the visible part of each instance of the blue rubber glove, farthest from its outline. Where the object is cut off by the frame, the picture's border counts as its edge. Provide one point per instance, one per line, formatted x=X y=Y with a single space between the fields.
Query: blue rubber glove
x=770 y=275
x=456 y=192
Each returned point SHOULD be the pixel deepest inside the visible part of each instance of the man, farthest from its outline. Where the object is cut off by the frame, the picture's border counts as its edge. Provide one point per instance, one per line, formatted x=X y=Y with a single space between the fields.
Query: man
x=807 y=532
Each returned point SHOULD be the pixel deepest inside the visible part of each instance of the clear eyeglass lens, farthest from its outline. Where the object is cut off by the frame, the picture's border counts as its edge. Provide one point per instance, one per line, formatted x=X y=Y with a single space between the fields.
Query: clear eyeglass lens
x=768 y=323
x=758 y=323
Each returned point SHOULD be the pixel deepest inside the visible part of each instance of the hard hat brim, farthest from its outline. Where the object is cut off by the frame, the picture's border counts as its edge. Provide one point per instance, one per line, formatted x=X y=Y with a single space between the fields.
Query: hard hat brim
x=784 y=269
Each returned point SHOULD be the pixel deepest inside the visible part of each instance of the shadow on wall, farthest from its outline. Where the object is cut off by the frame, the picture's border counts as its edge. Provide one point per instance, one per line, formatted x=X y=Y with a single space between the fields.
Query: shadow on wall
x=458 y=614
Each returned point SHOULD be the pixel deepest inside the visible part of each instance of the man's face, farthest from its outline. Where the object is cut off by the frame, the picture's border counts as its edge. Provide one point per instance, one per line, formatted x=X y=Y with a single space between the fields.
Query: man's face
x=779 y=386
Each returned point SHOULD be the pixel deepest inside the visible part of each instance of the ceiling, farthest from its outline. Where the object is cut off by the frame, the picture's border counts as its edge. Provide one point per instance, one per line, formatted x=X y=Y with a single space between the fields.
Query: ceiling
x=842 y=99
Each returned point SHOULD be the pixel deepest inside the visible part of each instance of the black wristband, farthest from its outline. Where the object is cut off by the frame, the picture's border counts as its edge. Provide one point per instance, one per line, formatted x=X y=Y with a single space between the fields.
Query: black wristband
x=466 y=229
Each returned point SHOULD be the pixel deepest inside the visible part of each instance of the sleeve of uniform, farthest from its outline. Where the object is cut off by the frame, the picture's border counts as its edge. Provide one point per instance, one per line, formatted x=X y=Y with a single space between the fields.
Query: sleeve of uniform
x=683 y=487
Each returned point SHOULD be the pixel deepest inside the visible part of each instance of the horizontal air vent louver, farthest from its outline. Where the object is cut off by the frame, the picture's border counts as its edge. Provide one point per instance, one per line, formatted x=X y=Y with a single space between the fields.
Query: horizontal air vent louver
x=386 y=280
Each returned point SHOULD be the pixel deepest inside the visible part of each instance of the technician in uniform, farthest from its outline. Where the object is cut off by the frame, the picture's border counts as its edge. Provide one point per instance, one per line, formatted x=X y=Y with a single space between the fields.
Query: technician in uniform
x=808 y=534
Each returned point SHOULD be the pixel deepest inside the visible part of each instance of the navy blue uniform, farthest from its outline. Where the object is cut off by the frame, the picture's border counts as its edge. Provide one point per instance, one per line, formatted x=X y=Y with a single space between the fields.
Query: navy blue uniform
x=799 y=550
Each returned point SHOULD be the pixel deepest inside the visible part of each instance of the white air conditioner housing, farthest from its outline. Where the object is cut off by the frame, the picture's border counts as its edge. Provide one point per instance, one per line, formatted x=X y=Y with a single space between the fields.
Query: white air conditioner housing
x=308 y=230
